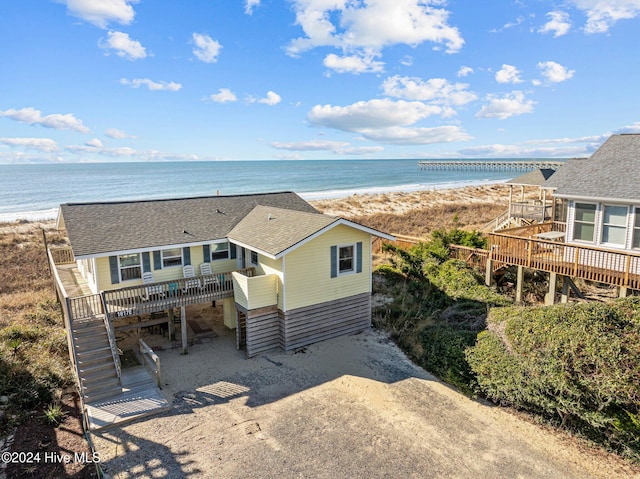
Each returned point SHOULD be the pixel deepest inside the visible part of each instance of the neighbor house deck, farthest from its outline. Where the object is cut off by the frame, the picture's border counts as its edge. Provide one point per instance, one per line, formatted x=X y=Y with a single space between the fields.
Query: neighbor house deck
x=541 y=247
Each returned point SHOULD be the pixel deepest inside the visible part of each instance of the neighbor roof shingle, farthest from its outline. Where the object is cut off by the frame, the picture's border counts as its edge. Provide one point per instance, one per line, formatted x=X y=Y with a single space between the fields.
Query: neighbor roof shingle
x=611 y=173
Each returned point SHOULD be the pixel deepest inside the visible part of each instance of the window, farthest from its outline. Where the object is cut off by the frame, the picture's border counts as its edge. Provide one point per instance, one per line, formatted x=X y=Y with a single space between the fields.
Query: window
x=254 y=258
x=130 y=266
x=584 y=223
x=346 y=259
x=614 y=225
x=636 y=230
x=220 y=251
x=171 y=257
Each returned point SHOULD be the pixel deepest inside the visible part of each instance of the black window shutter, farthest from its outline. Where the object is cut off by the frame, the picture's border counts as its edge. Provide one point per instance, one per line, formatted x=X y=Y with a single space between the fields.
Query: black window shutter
x=334 y=261
x=232 y=250
x=113 y=266
x=186 y=255
x=206 y=251
x=146 y=262
x=157 y=260
x=359 y=257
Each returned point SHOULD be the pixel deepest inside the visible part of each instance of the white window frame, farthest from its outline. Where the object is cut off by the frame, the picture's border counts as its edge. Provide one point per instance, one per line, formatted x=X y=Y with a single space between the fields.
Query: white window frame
x=608 y=226
x=120 y=267
x=213 y=250
x=346 y=272
x=636 y=228
x=253 y=255
x=171 y=259
x=576 y=221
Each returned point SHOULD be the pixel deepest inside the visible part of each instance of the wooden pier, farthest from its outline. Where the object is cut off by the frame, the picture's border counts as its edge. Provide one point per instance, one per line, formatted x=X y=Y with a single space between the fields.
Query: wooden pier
x=490 y=165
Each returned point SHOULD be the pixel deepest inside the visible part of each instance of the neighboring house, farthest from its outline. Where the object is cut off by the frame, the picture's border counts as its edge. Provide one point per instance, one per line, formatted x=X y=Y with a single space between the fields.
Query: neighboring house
x=600 y=239
x=286 y=274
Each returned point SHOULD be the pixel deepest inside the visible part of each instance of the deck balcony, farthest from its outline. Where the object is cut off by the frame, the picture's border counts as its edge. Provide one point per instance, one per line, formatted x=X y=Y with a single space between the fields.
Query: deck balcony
x=542 y=247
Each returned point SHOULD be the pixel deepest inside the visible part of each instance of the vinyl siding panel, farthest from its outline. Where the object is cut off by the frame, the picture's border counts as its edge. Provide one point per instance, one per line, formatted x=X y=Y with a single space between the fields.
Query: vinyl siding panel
x=308 y=270
x=270 y=266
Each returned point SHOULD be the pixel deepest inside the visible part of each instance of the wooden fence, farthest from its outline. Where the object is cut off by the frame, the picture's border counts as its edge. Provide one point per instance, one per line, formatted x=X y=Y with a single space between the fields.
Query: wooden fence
x=402 y=241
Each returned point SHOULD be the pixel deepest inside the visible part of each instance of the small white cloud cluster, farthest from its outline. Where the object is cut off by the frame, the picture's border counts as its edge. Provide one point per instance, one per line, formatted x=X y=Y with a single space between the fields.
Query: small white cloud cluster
x=57 y=121
x=151 y=85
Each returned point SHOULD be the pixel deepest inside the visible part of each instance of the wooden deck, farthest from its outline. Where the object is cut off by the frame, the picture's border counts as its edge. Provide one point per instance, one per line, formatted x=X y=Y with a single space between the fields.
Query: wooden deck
x=139 y=398
x=527 y=247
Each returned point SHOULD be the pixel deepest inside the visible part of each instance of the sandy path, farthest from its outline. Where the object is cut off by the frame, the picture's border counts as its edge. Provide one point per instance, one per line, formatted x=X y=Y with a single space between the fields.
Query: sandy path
x=349 y=407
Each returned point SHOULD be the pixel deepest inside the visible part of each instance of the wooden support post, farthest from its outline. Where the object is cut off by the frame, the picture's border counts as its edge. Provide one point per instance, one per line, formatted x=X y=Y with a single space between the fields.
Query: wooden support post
x=623 y=291
x=550 y=298
x=488 y=275
x=183 y=328
x=564 y=298
x=519 y=284
x=172 y=325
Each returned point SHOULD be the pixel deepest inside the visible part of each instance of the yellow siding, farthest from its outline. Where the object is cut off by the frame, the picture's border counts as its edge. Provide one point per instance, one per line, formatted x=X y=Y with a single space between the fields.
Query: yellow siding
x=308 y=270
x=255 y=292
x=272 y=267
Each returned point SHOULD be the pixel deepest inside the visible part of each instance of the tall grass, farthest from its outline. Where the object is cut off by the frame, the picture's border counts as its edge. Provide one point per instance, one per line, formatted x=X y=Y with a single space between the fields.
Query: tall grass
x=33 y=350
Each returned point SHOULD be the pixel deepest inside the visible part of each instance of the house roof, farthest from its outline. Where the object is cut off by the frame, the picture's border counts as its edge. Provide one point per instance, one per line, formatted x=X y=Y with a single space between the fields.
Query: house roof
x=612 y=173
x=96 y=229
x=532 y=178
x=570 y=169
x=277 y=229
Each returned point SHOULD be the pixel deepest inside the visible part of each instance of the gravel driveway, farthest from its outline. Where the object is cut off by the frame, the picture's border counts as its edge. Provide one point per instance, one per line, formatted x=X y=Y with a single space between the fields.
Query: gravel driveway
x=350 y=407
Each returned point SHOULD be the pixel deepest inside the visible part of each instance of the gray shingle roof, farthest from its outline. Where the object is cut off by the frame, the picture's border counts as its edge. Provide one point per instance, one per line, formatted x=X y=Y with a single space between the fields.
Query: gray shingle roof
x=273 y=230
x=101 y=228
x=532 y=178
x=611 y=173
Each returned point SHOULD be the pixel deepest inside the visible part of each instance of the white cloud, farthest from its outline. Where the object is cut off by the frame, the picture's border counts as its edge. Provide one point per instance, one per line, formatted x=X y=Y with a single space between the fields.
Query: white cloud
x=352 y=64
x=206 y=49
x=602 y=15
x=434 y=90
x=365 y=28
x=371 y=114
x=311 y=145
x=93 y=143
x=57 y=121
x=102 y=12
x=554 y=72
x=464 y=71
x=519 y=151
x=417 y=136
x=123 y=46
x=509 y=105
x=271 y=99
x=508 y=74
x=249 y=5
x=150 y=84
x=117 y=134
x=42 y=144
x=224 y=95
x=558 y=24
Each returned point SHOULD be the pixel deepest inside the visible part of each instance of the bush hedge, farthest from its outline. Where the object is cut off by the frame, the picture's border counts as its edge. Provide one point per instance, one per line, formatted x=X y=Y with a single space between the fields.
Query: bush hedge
x=577 y=365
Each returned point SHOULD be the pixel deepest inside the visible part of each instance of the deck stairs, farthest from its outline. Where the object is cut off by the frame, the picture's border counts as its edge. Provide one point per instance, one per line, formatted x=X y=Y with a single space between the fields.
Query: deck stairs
x=503 y=221
x=98 y=373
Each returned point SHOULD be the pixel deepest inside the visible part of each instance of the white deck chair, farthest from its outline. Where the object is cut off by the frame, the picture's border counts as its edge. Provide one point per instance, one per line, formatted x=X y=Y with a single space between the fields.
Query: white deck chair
x=153 y=289
x=191 y=281
x=205 y=270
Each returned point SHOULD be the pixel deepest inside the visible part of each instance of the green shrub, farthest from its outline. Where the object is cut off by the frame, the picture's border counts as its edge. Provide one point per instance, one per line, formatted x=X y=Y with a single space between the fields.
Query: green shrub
x=578 y=365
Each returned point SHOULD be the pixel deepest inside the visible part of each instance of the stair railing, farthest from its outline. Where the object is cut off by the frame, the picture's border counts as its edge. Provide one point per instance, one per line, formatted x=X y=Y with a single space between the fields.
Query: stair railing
x=112 y=338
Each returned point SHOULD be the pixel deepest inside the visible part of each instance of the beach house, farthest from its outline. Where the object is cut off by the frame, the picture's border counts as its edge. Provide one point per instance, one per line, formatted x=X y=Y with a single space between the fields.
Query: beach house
x=599 y=237
x=285 y=274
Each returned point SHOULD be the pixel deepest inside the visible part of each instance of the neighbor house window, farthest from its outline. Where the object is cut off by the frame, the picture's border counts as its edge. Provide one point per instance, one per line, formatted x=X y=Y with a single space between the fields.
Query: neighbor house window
x=130 y=266
x=584 y=223
x=254 y=258
x=636 y=230
x=614 y=225
x=346 y=259
x=220 y=251
x=171 y=257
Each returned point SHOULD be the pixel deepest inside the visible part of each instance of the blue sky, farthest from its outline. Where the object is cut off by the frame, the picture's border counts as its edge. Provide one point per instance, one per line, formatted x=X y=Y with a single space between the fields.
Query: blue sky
x=143 y=80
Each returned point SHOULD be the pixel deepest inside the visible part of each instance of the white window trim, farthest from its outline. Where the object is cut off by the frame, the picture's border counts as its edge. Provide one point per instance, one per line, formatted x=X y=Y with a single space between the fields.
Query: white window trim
x=162 y=259
x=576 y=221
x=122 y=280
x=212 y=250
x=625 y=226
x=353 y=259
x=257 y=261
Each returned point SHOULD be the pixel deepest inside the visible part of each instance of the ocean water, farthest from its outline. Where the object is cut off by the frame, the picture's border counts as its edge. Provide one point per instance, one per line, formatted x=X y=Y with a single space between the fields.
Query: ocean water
x=34 y=192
